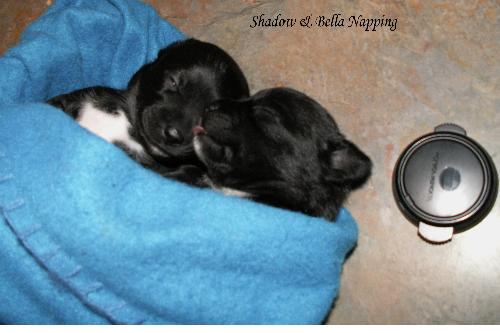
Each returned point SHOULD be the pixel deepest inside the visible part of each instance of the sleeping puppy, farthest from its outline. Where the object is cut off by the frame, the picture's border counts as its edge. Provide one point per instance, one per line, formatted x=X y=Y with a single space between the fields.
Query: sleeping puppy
x=282 y=148
x=152 y=119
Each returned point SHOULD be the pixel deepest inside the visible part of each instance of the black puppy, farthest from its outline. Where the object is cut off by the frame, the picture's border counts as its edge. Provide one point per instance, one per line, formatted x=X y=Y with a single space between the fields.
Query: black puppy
x=282 y=148
x=152 y=119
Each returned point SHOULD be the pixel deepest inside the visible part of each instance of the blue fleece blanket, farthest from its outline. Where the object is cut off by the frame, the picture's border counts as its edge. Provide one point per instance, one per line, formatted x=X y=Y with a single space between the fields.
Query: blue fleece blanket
x=89 y=236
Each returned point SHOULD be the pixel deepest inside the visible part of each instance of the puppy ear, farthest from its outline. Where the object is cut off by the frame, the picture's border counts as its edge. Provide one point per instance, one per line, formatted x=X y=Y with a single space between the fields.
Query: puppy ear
x=344 y=164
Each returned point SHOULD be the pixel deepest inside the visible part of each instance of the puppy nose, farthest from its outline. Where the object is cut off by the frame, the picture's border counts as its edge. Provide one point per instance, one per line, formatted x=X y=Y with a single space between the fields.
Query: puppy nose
x=199 y=130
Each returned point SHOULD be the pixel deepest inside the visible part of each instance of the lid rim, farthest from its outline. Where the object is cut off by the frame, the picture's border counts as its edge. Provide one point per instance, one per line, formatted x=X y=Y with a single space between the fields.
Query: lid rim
x=472 y=215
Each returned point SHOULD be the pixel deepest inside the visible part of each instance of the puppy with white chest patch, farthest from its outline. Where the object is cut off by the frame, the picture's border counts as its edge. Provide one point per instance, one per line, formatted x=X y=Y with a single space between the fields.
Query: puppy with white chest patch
x=152 y=119
x=282 y=148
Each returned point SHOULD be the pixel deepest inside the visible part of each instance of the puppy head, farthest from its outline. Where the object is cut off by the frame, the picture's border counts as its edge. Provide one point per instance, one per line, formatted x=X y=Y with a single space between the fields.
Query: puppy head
x=167 y=96
x=282 y=148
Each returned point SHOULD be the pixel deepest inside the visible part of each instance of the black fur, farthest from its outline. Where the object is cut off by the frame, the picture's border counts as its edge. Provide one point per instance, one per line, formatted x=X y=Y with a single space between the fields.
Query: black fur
x=163 y=101
x=282 y=148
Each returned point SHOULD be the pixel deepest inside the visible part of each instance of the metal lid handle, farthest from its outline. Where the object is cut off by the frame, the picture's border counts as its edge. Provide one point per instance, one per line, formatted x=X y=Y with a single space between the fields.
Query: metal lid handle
x=435 y=234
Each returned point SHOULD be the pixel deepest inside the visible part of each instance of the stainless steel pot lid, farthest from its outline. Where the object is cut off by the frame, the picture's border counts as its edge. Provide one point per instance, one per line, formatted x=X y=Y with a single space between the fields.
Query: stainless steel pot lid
x=445 y=182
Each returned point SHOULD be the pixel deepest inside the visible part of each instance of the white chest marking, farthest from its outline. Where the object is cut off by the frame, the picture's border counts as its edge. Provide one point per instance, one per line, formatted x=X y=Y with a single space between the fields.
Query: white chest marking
x=111 y=127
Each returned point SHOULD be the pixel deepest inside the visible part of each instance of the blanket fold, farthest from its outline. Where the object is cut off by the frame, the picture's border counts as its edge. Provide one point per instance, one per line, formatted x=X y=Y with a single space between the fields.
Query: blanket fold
x=89 y=236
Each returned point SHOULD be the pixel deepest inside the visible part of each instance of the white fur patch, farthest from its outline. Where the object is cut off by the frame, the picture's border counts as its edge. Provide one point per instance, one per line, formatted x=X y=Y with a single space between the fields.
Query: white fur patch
x=113 y=128
x=157 y=151
x=232 y=192
x=226 y=190
x=197 y=149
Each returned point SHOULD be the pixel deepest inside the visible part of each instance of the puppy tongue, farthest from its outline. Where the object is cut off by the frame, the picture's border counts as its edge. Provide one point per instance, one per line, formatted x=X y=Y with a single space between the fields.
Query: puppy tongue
x=198 y=130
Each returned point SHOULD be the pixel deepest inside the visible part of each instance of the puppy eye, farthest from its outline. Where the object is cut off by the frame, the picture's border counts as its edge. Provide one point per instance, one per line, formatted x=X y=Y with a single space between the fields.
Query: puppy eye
x=266 y=116
x=171 y=84
x=173 y=132
x=173 y=135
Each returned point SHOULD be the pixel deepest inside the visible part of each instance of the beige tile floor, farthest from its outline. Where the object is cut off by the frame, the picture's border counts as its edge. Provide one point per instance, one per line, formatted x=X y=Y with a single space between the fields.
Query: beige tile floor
x=384 y=88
